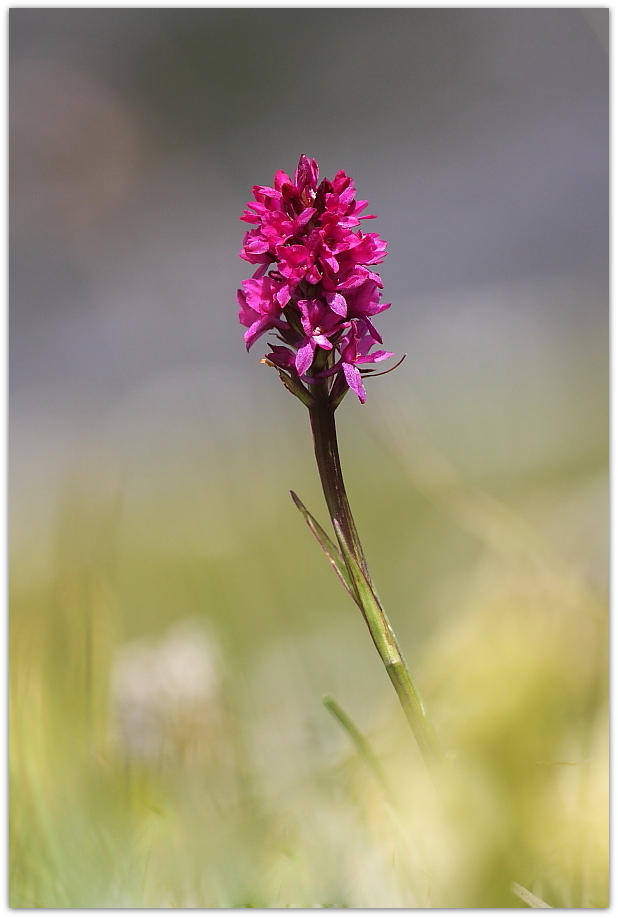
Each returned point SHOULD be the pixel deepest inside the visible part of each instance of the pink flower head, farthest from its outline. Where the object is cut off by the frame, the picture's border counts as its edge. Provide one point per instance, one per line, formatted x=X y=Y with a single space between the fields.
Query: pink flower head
x=312 y=285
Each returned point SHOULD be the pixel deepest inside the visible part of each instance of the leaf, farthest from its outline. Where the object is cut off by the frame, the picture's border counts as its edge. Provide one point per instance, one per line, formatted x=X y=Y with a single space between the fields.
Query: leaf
x=327 y=545
x=362 y=746
x=365 y=597
x=529 y=898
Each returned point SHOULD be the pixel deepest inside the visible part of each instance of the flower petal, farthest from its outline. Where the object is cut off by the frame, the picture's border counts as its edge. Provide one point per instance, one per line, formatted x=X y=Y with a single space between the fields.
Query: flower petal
x=355 y=381
x=304 y=357
x=337 y=303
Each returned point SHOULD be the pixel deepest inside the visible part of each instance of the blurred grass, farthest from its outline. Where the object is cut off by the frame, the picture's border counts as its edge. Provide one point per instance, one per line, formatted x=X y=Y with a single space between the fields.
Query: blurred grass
x=249 y=793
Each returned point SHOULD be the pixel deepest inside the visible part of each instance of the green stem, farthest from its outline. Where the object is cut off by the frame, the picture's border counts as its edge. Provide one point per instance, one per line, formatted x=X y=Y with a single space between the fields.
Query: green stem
x=322 y=415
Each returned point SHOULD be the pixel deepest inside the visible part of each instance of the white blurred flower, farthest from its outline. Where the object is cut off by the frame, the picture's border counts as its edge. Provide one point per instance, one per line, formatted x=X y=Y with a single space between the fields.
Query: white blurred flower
x=165 y=694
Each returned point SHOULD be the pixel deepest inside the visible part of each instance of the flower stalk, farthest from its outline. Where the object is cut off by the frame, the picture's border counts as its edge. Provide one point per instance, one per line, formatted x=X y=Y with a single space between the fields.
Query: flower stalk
x=322 y=418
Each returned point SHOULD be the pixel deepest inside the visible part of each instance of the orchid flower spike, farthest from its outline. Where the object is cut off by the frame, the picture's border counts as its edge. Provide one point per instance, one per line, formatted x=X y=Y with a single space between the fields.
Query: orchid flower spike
x=313 y=284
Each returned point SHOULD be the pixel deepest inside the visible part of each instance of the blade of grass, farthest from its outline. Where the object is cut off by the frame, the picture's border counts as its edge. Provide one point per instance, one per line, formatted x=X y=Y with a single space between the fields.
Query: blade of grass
x=362 y=746
x=529 y=898
x=327 y=545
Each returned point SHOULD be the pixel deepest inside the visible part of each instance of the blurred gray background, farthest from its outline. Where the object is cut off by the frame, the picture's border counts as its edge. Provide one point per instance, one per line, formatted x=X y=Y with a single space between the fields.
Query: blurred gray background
x=479 y=137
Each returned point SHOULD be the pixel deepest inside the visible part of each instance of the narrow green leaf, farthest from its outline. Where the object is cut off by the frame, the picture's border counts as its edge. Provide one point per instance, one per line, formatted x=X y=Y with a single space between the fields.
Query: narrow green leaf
x=529 y=898
x=327 y=545
x=362 y=746
x=366 y=598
